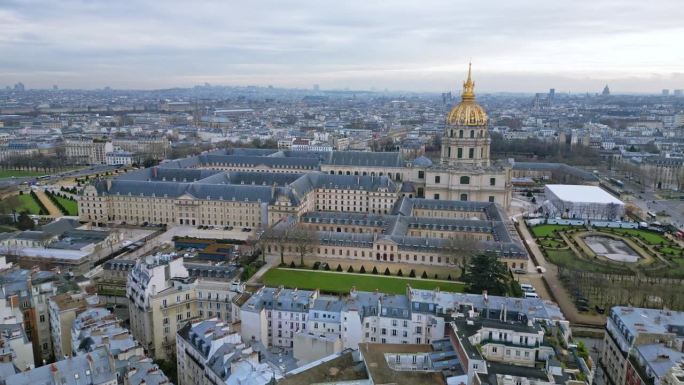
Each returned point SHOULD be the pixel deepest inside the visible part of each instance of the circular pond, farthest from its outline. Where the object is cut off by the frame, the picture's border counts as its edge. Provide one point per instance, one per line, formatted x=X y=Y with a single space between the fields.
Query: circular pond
x=613 y=249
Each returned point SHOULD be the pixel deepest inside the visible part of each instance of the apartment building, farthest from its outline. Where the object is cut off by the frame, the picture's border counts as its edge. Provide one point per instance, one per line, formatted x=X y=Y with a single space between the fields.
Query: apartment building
x=665 y=172
x=15 y=347
x=87 y=150
x=209 y=352
x=642 y=345
x=314 y=326
x=97 y=327
x=156 y=147
x=163 y=297
x=29 y=291
x=64 y=308
x=273 y=315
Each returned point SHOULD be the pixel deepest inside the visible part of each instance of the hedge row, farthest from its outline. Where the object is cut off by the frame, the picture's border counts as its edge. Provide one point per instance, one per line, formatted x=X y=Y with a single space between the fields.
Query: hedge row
x=54 y=201
x=362 y=270
x=43 y=209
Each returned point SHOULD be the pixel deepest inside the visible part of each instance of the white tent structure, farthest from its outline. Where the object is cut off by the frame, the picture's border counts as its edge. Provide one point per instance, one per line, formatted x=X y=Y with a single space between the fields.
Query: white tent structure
x=582 y=202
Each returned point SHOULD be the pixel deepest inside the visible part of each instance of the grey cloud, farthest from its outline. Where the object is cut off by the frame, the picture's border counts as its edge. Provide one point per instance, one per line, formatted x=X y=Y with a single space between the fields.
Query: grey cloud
x=397 y=44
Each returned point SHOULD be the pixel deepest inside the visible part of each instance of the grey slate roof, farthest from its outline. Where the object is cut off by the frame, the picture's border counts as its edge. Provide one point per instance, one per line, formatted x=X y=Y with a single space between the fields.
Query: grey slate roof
x=280 y=299
x=101 y=371
x=245 y=186
x=395 y=228
x=557 y=167
x=361 y=158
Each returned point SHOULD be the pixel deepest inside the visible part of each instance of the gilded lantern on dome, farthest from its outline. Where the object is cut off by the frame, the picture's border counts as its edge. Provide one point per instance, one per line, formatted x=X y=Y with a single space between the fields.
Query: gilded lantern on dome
x=467 y=112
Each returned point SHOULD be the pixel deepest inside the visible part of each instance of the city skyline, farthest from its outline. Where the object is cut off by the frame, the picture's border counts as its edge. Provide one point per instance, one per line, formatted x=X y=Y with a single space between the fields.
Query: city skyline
x=526 y=46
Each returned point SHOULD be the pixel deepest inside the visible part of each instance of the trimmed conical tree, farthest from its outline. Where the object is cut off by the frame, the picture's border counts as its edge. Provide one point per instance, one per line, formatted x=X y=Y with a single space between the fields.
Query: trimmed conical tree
x=387 y=272
x=292 y=265
x=375 y=270
x=399 y=273
x=424 y=275
x=350 y=269
x=339 y=268
x=362 y=270
x=412 y=274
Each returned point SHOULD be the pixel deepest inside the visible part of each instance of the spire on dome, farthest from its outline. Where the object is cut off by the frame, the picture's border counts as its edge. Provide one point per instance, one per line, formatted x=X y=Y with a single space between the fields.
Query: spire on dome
x=468 y=86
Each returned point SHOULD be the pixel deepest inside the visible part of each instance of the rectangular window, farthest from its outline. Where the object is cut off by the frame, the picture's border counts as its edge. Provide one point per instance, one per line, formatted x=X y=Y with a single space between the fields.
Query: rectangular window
x=492 y=181
x=437 y=179
x=471 y=153
x=459 y=153
x=436 y=197
x=421 y=174
x=491 y=198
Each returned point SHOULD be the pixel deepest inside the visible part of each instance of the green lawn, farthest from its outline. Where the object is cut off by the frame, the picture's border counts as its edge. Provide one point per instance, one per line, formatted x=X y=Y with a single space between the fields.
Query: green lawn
x=7 y=229
x=546 y=230
x=27 y=203
x=649 y=237
x=20 y=173
x=69 y=204
x=341 y=283
x=671 y=251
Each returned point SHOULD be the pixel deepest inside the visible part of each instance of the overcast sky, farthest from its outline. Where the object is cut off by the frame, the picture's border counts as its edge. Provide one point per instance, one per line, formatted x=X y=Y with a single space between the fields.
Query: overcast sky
x=418 y=45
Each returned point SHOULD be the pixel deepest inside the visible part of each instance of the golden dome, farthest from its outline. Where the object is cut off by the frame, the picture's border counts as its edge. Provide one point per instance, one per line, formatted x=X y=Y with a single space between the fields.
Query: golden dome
x=468 y=112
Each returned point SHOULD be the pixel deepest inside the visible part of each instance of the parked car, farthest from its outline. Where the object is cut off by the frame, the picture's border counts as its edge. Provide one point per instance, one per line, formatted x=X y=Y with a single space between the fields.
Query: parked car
x=527 y=288
x=529 y=294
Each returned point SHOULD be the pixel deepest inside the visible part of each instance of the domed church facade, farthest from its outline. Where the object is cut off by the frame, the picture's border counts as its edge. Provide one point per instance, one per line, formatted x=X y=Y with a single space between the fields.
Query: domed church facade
x=465 y=171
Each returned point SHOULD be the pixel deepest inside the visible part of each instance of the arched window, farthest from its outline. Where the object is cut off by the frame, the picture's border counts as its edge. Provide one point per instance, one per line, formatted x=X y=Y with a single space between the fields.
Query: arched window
x=465 y=180
x=464 y=197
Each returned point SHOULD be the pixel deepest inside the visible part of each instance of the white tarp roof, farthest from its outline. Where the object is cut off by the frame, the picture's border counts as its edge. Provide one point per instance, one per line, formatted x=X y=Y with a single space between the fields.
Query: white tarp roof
x=581 y=193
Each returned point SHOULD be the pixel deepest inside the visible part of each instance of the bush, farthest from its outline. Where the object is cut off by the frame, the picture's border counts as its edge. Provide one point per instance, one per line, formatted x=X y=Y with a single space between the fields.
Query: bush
x=362 y=270
x=375 y=270
x=399 y=273
x=449 y=277
x=412 y=274
x=424 y=275
x=350 y=269
x=292 y=265
x=339 y=268
x=326 y=267
x=387 y=272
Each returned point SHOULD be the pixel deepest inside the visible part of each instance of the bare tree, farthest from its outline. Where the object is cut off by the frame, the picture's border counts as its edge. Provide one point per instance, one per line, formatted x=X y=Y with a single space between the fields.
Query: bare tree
x=461 y=249
x=276 y=236
x=305 y=241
